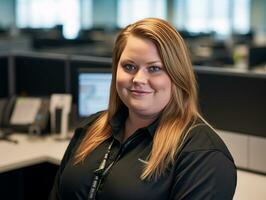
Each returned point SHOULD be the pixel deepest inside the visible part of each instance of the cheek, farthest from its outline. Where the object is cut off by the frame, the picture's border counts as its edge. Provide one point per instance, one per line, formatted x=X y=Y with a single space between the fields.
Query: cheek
x=119 y=85
x=162 y=85
x=122 y=80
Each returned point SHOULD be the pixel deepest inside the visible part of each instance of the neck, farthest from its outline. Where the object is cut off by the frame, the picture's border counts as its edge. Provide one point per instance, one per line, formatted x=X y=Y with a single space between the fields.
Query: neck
x=135 y=121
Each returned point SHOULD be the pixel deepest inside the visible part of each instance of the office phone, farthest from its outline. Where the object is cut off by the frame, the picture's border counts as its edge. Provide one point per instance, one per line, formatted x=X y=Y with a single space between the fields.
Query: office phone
x=25 y=114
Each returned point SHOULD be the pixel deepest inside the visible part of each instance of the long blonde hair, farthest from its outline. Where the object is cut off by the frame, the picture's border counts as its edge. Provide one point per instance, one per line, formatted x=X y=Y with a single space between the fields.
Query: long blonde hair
x=179 y=112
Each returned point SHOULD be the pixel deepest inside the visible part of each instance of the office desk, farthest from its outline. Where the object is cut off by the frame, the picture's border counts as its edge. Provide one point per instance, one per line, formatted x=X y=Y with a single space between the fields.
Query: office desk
x=28 y=168
x=30 y=151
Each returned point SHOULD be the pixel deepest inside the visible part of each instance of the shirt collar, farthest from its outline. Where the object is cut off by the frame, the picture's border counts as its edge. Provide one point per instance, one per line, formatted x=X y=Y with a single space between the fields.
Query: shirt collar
x=118 y=121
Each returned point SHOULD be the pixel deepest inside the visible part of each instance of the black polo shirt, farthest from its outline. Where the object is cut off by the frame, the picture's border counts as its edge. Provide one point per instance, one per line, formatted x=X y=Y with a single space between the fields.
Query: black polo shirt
x=203 y=170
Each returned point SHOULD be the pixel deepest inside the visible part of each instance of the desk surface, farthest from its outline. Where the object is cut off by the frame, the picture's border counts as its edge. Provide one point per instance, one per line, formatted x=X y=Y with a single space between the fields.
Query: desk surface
x=30 y=151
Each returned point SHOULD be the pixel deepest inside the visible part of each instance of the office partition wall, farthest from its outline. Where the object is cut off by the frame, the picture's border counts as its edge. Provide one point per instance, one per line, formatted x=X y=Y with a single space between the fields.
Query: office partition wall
x=233 y=101
x=3 y=76
x=40 y=74
x=257 y=56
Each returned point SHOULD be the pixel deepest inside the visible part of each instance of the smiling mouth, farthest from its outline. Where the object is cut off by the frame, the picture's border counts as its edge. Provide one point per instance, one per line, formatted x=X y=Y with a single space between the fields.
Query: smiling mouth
x=140 y=92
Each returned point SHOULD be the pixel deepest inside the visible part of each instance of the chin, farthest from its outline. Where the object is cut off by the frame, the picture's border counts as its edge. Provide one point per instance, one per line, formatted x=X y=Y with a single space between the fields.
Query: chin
x=144 y=111
x=139 y=108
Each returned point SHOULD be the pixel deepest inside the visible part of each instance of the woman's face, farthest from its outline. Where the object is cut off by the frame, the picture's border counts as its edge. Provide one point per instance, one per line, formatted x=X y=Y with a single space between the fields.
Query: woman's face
x=142 y=82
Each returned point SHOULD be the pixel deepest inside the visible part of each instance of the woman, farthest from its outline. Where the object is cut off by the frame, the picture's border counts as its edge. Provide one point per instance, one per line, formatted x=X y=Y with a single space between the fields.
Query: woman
x=151 y=143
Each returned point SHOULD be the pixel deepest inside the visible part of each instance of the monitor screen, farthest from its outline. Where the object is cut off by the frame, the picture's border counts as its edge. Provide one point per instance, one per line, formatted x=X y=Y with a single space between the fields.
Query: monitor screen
x=93 y=91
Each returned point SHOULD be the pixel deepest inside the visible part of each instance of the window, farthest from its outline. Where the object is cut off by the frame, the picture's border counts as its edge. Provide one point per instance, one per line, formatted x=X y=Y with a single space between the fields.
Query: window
x=86 y=14
x=48 y=13
x=241 y=22
x=130 y=11
x=222 y=17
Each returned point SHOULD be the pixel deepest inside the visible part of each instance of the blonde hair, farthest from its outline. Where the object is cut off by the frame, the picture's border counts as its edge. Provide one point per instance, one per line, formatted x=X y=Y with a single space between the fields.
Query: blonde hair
x=179 y=112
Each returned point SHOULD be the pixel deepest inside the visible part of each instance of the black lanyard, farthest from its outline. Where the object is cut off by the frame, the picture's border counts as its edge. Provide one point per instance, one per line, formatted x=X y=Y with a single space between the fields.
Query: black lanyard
x=100 y=173
x=103 y=170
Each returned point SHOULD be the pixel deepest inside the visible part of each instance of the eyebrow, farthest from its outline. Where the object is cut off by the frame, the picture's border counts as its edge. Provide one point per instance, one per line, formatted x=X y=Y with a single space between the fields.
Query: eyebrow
x=127 y=60
x=156 y=61
x=149 y=63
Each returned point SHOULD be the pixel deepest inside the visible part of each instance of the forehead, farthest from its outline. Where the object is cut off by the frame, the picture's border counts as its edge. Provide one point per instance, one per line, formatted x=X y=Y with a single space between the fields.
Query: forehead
x=137 y=47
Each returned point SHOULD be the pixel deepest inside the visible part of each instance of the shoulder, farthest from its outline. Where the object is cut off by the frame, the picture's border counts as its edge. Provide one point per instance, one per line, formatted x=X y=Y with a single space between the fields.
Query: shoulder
x=203 y=138
x=206 y=173
x=90 y=119
x=80 y=131
x=204 y=166
x=78 y=135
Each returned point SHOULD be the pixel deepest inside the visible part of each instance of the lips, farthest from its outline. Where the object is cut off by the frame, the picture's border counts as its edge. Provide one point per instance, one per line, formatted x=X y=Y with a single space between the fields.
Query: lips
x=139 y=92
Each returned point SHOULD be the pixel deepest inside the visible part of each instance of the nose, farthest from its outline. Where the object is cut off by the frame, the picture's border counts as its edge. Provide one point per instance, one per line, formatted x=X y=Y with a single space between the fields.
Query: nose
x=140 y=77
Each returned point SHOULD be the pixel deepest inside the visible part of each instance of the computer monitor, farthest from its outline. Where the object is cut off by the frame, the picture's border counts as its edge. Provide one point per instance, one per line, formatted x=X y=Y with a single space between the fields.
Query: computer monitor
x=40 y=75
x=93 y=90
x=233 y=101
x=85 y=62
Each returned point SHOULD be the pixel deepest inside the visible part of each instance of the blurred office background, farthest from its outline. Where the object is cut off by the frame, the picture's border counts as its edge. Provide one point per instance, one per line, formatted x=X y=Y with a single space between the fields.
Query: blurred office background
x=47 y=45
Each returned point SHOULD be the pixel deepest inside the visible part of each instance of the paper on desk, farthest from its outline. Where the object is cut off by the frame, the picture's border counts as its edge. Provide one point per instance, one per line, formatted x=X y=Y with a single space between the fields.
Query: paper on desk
x=25 y=110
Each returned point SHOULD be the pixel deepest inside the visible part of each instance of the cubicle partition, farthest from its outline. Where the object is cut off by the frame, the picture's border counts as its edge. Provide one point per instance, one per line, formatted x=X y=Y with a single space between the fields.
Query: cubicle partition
x=256 y=56
x=235 y=104
x=233 y=101
x=3 y=76
x=38 y=74
x=41 y=74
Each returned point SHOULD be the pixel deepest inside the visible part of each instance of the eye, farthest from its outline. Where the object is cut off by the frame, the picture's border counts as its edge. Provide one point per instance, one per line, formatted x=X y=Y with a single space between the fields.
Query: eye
x=129 y=67
x=153 y=69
